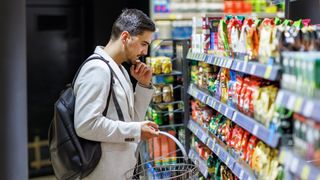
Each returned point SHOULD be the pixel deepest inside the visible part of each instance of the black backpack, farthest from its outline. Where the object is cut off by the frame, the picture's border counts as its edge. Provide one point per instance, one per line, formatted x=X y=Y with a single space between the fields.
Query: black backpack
x=71 y=156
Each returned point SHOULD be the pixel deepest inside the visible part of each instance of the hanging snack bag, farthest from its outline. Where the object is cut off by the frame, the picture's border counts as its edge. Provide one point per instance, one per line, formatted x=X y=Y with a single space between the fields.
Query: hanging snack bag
x=166 y=65
x=167 y=93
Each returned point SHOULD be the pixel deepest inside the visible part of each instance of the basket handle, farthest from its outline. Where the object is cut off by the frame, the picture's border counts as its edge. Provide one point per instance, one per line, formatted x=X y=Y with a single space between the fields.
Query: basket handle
x=183 y=150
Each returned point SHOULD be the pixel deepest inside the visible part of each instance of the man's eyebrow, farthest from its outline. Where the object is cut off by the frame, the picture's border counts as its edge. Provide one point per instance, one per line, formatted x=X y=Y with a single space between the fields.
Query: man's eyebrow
x=146 y=42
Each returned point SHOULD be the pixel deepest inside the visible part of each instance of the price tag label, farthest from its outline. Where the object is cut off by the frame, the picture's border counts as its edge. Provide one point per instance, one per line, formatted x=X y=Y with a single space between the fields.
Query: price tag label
x=225 y=61
x=305 y=172
x=214 y=104
x=253 y=69
x=234 y=117
x=268 y=71
x=199 y=134
x=219 y=108
x=307 y=111
x=221 y=62
x=244 y=67
x=255 y=130
x=291 y=102
x=298 y=105
x=229 y=63
x=228 y=161
x=294 y=165
x=215 y=60
x=238 y=66
x=279 y=98
x=226 y=112
x=210 y=144
x=241 y=174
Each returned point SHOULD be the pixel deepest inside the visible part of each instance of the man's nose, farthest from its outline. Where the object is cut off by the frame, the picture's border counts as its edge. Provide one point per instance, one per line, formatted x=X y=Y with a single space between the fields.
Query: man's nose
x=144 y=51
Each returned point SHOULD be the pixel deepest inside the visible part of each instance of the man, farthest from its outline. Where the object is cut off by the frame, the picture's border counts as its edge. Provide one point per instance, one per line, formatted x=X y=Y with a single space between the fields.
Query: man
x=130 y=37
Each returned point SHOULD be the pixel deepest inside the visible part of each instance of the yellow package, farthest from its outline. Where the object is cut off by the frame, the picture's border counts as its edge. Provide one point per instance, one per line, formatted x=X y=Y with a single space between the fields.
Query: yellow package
x=166 y=65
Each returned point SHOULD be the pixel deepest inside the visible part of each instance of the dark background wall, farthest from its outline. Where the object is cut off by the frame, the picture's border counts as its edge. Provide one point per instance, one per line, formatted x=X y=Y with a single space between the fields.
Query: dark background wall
x=303 y=9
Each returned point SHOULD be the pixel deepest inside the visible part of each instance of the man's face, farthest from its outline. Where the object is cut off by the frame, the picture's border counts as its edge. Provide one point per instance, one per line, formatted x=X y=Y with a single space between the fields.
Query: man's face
x=137 y=46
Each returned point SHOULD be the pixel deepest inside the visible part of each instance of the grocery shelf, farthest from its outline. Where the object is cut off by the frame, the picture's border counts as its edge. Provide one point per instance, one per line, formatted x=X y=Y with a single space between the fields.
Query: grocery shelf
x=310 y=108
x=194 y=156
x=171 y=126
x=297 y=166
x=173 y=73
x=270 y=72
x=239 y=170
x=167 y=103
x=255 y=128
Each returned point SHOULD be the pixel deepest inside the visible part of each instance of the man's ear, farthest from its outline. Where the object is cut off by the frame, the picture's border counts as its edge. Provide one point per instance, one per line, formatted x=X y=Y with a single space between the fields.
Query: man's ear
x=125 y=36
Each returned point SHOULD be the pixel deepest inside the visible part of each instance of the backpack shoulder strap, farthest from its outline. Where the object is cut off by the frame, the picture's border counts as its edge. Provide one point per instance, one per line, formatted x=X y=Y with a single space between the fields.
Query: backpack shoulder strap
x=111 y=92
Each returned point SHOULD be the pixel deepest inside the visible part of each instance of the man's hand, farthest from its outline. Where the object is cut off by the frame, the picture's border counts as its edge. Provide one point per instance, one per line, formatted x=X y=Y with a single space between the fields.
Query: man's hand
x=149 y=130
x=141 y=72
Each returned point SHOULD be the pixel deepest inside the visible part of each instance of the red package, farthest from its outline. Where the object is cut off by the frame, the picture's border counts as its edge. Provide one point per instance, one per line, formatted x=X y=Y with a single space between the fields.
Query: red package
x=236 y=138
x=250 y=148
x=242 y=93
x=238 y=87
x=226 y=131
x=244 y=144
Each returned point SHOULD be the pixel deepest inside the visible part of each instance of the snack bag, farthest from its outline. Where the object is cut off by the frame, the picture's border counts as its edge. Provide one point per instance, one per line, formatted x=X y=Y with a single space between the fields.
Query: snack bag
x=241 y=47
x=260 y=159
x=231 y=88
x=237 y=134
x=244 y=144
x=223 y=43
x=253 y=39
x=250 y=148
x=224 y=79
x=166 y=65
x=226 y=131
x=238 y=88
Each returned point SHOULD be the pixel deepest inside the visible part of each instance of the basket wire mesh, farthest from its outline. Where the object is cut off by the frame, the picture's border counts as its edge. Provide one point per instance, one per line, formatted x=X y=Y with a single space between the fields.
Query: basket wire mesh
x=182 y=169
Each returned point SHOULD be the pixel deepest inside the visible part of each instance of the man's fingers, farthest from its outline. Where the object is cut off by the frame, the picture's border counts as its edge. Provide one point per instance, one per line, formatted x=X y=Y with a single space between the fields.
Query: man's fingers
x=154 y=125
x=138 y=67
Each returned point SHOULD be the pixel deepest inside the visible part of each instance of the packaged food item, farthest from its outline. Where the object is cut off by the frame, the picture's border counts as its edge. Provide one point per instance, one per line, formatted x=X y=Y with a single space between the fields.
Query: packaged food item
x=250 y=148
x=157 y=150
x=166 y=65
x=235 y=140
x=253 y=41
x=157 y=97
x=165 y=150
x=223 y=36
x=156 y=65
x=238 y=88
x=167 y=93
x=231 y=88
x=214 y=124
x=172 y=148
x=226 y=131
x=244 y=144
x=241 y=47
x=224 y=80
x=211 y=164
x=260 y=159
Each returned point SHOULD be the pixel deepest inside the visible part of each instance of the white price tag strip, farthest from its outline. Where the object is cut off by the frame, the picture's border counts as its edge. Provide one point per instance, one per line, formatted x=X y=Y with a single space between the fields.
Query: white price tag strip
x=253 y=69
x=234 y=117
x=291 y=102
x=238 y=66
x=219 y=108
x=241 y=174
x=226 y=112
x=307 y=111
x=294 y=165
x=255 y=129
x=244 y=67
x=279 y=98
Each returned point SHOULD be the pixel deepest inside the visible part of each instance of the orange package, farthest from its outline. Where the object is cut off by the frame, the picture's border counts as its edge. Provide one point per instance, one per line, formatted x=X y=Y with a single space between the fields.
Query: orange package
x=172 y=148
x=157 y=150
x=164 y=149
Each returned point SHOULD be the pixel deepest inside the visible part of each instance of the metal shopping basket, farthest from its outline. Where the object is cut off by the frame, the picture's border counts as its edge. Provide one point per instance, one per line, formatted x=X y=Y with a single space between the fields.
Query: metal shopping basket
x=183 y=169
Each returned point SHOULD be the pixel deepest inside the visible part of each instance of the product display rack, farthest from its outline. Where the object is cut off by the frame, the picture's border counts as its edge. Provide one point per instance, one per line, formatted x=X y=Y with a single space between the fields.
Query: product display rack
x=269 y=72
x=217 y=147
x=246 y=122
x=178 y=53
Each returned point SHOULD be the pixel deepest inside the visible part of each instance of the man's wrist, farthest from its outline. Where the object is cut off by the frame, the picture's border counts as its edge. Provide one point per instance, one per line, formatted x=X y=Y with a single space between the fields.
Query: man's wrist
x=148 y=86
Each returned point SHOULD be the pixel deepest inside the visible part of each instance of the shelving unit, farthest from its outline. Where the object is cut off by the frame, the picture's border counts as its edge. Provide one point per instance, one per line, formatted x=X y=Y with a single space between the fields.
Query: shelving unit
x=196 y=159
x=270 y=72
x=233 y=163
x=299 y=167
x=246 y=122
x=306 y=106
